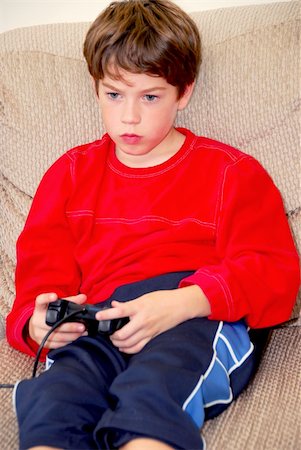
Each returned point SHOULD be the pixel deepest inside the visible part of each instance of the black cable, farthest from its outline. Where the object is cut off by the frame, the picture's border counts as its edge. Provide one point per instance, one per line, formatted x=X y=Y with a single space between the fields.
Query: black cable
x=37 y=358
x=54 y=327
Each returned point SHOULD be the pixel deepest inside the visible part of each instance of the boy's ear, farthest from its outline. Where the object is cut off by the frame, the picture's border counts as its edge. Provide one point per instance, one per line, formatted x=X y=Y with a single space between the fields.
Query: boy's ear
x=184 y=100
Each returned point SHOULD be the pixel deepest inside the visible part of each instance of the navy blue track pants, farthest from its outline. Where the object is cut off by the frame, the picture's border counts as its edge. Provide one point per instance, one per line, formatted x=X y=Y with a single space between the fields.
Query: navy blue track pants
x=94 y=396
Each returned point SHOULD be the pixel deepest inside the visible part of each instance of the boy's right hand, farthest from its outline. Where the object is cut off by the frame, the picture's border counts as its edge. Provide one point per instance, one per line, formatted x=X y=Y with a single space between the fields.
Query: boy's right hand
x=64 y=334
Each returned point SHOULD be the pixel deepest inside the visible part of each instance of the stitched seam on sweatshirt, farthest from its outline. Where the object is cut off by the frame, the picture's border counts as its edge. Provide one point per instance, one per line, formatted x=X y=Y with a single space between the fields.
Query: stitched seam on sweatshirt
x=72 y=166
x=20 y=319
x=153 y=219
x=225 y=289
x=124 y=220
x=80 y=213
x=232 y=156
x=153 y=174
x=82 y=150
x=219 y=205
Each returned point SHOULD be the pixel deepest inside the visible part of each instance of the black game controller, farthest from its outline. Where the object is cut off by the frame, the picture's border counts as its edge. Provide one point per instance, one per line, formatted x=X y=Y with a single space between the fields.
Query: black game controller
x=62 y=308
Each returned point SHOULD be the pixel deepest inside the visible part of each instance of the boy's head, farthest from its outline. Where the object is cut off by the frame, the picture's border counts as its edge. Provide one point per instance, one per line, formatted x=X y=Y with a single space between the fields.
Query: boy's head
x=152 y=37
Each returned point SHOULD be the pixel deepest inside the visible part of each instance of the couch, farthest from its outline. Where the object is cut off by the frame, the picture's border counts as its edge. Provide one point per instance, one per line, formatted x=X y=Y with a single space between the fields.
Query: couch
x=247 y=95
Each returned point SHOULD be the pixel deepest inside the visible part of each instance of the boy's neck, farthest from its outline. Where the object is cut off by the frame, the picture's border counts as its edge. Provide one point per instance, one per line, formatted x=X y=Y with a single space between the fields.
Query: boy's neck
x=162 y=153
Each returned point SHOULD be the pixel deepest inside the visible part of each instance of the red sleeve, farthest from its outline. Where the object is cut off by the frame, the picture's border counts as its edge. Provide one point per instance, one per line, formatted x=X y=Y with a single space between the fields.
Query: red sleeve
x=45 y=260
x=258 y=275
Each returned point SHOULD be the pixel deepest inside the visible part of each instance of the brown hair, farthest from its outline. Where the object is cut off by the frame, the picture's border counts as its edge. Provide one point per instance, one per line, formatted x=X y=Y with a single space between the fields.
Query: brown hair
x=144 y=36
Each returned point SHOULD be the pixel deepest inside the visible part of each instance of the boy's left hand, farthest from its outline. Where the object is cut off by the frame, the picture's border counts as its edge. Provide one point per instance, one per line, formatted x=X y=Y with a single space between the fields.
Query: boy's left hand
x=152 y=314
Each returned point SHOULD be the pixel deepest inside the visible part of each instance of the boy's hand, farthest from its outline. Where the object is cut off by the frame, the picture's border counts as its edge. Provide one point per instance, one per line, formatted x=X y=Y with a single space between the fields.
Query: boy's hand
x=152 y=314
x=64 y=334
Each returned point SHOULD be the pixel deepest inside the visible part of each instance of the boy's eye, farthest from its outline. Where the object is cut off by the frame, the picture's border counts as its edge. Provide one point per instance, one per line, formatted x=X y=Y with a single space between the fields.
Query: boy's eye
x=150 y=97
x=113 y=95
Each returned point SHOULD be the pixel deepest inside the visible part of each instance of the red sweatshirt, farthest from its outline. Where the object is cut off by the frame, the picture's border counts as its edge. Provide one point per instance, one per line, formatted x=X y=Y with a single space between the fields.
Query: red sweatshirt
x=96 y=224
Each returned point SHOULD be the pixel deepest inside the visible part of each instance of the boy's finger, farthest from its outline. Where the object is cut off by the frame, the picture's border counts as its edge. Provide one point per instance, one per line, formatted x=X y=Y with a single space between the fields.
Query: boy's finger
x=44 y=299
x=62 y=340
x=79 y=298
x=118 y=311
x=66 y=337
x=135 y=348
x=72 y=327
x=127 y=336
x=127 y=309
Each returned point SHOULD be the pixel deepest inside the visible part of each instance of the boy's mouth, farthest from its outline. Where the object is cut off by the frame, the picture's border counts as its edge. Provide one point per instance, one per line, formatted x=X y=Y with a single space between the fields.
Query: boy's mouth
x=131 y=138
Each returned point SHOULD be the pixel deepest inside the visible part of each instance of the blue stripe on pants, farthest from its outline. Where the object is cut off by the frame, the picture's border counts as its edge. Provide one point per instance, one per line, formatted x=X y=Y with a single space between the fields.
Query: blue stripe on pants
x=231 y=348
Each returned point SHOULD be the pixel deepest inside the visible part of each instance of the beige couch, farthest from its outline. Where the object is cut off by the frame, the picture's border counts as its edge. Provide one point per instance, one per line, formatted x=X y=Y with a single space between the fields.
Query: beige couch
x=248 y=95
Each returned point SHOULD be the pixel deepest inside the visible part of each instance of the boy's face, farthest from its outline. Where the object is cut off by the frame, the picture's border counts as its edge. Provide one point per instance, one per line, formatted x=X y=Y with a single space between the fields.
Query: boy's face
x=138 y=112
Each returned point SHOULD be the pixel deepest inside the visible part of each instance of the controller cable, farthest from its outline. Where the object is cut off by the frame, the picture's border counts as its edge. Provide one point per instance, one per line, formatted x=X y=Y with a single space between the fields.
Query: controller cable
x=52 y=329
x=37 y=358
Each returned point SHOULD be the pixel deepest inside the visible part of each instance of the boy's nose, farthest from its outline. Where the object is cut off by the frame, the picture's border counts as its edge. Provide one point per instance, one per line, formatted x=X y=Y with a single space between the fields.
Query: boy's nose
x=131 y=113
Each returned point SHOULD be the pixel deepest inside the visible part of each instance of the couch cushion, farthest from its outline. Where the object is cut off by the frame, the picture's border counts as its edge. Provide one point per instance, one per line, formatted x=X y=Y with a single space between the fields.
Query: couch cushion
x=247 y=95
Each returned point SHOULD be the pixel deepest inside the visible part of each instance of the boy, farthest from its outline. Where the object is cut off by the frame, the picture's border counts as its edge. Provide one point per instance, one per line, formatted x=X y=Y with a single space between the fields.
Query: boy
x=185 y=236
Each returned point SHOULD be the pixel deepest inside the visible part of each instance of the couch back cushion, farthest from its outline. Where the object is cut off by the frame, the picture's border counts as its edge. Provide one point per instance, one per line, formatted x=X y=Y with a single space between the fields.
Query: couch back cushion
x=247 y=95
